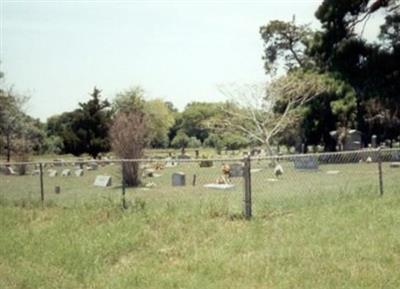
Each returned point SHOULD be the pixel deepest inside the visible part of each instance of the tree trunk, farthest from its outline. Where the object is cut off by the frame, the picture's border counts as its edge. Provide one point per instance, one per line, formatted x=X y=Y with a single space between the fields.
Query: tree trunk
x=8 y=144
x=270 y=152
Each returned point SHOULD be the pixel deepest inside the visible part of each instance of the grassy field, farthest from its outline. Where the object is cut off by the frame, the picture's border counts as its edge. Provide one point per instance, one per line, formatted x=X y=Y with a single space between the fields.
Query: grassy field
x=310 y=230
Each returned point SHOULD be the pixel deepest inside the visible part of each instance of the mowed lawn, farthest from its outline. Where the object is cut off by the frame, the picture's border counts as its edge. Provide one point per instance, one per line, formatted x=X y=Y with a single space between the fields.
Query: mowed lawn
x=309 y=230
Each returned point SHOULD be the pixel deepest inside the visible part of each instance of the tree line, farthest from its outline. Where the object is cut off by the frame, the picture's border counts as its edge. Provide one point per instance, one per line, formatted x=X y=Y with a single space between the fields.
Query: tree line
x=325 y=80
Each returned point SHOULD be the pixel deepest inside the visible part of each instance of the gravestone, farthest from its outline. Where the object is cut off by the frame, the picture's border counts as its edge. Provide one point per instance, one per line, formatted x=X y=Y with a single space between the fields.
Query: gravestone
x=35 y=172
x=236 y=170
x=11 y=171
x=53 y=173
x=79 y=173
x=374 y=140
x=92 y=166
x=352 y=141
x=66 y=173
x=396 y=156
x=178 y=179
x=102 y=181
x=79 y=163
x=170 y=163
x=306 y=163
x=7 y=171
x=395 y=165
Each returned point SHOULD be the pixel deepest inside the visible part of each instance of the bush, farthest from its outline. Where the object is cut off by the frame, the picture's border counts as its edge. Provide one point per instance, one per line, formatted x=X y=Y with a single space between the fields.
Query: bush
x=128 y=140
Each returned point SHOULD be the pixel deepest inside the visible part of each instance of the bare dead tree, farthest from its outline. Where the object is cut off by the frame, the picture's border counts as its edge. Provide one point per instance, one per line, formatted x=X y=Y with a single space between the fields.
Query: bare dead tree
x=128 y=139
x=261 y=111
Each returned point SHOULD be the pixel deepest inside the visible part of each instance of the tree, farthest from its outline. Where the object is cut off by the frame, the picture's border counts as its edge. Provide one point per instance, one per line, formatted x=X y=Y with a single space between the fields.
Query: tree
x=160 y=120
x=128 y=139
x=181 y=140
x=196 y=118
x=261 y=113
x=132 y=99
x=285 y=41
x=159 y=114
x=15 y=125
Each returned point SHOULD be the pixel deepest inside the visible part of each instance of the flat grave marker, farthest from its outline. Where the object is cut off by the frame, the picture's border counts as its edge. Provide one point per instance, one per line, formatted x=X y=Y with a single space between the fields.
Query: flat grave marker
x=102 y=181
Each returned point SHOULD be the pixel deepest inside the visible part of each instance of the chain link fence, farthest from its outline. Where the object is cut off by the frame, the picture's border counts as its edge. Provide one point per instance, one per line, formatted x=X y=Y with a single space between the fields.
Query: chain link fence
x=244 y=185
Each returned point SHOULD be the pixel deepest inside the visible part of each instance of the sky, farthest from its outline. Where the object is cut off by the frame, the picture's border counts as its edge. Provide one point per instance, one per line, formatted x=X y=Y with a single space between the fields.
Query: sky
x=57 y=51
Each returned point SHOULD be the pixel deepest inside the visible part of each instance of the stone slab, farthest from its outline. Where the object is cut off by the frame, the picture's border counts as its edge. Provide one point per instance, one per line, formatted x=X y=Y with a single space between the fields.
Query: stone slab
x=66 y=173
x=395 y=165
x=178 y=179
x=219 y=186
x=79 y=172
x=53 y=173
x=103 y=181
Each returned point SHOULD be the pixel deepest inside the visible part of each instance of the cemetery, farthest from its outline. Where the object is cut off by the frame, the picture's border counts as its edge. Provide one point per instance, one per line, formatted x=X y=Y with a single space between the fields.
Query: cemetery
x=199 y=144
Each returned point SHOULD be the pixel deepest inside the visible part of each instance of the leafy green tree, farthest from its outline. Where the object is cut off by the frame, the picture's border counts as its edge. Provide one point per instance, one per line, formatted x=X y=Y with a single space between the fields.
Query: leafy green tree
x=196 y=119
x=84 y=130
x=20 y=134
x=285 y=42
x=215 y=141
x=132 y=99
x=181 y=140
x=160 y=120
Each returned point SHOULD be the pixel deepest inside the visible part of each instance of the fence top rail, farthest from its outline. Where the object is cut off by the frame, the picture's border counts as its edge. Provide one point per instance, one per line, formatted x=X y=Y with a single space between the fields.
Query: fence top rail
x=340 y=153
x=237 y=159
x=75 y=162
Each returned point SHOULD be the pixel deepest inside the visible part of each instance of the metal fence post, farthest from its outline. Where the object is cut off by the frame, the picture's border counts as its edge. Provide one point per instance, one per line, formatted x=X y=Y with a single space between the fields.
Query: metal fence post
x=247 y=210
x=123 y=186
x=41 y=183
x=380 y=172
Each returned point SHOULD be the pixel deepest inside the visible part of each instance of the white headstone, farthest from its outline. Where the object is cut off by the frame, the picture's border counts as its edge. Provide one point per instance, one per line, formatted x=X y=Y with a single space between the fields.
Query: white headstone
x=79 y=173
x=395 y=165
x=103 y=181
x=219 y=186
x=11 y=171
x=66 y=173
x=52 y=173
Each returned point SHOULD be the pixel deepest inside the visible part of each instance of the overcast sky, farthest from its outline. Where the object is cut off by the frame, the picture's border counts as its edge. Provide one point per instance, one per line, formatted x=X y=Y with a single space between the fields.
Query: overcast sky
x=57 y=51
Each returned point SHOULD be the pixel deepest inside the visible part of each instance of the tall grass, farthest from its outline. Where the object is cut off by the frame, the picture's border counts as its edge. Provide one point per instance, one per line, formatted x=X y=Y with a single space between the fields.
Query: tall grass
x=352 y=241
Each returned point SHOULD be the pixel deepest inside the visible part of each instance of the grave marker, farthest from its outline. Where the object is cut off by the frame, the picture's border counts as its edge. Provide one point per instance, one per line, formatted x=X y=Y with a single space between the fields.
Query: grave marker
x=53 y=173
x=103 y=181
x=79 y=173
x=66 y=173
x=178 y=179
x=236 y=170
x=306 y=163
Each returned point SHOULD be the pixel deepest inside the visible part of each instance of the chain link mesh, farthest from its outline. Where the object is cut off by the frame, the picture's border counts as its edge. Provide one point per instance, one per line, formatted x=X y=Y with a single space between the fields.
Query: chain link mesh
x=205 y=184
